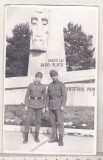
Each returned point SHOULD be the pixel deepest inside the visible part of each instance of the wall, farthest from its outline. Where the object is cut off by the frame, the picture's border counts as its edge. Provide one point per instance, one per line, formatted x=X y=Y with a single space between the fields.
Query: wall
x=79 y=94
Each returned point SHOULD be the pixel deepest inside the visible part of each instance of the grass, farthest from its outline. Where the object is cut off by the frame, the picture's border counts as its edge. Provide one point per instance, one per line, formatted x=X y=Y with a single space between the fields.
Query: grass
x=81 y=117
x=77 y=117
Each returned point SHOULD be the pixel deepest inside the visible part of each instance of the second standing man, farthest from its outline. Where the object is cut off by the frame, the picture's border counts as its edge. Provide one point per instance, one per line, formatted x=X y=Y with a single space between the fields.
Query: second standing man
x=56 y=101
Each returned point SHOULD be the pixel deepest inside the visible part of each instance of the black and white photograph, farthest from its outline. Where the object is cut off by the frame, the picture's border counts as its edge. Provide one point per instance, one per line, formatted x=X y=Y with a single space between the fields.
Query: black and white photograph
x=50 y=82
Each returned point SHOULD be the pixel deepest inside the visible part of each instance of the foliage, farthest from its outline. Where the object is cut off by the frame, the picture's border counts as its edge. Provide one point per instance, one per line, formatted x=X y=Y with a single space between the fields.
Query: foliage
x=78 y=115
x=17 y=51
x=79 y=48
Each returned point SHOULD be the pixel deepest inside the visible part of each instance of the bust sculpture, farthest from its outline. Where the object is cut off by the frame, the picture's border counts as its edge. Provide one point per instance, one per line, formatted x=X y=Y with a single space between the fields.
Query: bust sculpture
x=39 y=25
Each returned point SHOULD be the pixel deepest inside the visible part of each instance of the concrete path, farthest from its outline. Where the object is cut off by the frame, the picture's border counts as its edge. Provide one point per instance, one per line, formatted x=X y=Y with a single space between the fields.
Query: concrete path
x=13 y=143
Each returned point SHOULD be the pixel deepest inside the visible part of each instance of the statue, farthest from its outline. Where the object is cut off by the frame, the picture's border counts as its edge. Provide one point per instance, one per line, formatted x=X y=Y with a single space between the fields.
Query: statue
x=39 y=30
x=46 y=42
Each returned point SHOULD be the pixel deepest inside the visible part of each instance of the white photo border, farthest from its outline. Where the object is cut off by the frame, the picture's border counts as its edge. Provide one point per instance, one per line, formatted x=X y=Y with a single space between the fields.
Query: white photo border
x=100 y=57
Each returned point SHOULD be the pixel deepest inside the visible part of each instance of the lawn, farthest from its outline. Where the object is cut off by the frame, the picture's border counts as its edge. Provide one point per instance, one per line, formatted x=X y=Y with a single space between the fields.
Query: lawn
x=77 y=117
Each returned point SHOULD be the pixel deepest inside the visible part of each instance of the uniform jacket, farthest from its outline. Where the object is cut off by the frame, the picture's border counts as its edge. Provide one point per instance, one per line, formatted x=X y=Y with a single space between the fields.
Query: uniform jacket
x=35 y=90
x=56 y=95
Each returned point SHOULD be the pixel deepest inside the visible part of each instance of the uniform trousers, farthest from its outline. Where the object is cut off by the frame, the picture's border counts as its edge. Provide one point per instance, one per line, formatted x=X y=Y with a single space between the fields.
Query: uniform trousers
x=29 y=117
x=57 y=119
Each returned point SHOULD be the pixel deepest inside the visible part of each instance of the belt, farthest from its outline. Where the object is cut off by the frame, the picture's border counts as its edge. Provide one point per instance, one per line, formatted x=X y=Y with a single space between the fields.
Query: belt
x=35 y=98
x=55 y=98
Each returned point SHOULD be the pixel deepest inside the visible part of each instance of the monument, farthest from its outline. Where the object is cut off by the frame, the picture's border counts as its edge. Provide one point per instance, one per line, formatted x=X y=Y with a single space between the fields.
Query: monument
x=47 y=52
x=39 y=29
x=46 y=43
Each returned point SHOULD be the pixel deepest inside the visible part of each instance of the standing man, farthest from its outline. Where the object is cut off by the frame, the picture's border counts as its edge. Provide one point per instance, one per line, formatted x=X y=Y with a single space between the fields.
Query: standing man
x=56 y=99
x=34 y=102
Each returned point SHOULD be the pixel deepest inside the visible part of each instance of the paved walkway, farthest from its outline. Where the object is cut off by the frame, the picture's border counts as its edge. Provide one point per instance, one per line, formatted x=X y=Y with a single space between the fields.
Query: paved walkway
x=13 y=143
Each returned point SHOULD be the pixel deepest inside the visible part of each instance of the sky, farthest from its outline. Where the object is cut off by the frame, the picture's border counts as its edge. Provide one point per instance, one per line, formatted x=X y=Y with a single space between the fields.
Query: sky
x=85 y=16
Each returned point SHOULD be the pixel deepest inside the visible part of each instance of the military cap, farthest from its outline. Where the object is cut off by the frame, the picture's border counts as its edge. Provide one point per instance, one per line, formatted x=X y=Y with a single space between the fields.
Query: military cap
x=53 y=73
x=39 y=74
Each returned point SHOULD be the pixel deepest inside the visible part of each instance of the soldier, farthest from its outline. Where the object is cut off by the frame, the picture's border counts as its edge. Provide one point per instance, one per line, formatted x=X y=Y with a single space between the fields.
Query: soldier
x=56 y=100
x=34 y=102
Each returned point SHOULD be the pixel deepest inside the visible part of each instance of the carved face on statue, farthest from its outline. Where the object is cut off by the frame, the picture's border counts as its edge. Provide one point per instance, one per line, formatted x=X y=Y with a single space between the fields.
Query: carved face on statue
x=39 y=30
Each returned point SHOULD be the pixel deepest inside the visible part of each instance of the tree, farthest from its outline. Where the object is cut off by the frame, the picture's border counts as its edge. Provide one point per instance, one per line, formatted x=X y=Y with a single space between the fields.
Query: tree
x=17 y=51
x=78 y=48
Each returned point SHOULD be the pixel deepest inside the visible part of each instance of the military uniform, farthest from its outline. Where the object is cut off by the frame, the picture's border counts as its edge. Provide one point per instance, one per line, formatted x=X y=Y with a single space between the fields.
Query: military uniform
x=56 y=97
x=35 y=100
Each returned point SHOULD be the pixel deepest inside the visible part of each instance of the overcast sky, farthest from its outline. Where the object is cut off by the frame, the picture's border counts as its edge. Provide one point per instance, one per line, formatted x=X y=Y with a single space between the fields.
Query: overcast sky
x=86 y=16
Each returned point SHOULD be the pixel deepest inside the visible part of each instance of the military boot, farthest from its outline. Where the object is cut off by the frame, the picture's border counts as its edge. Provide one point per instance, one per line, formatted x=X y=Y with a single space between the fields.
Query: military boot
x=60 y=143
x=36 y=139
x=54 y=138
x=25 y=138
